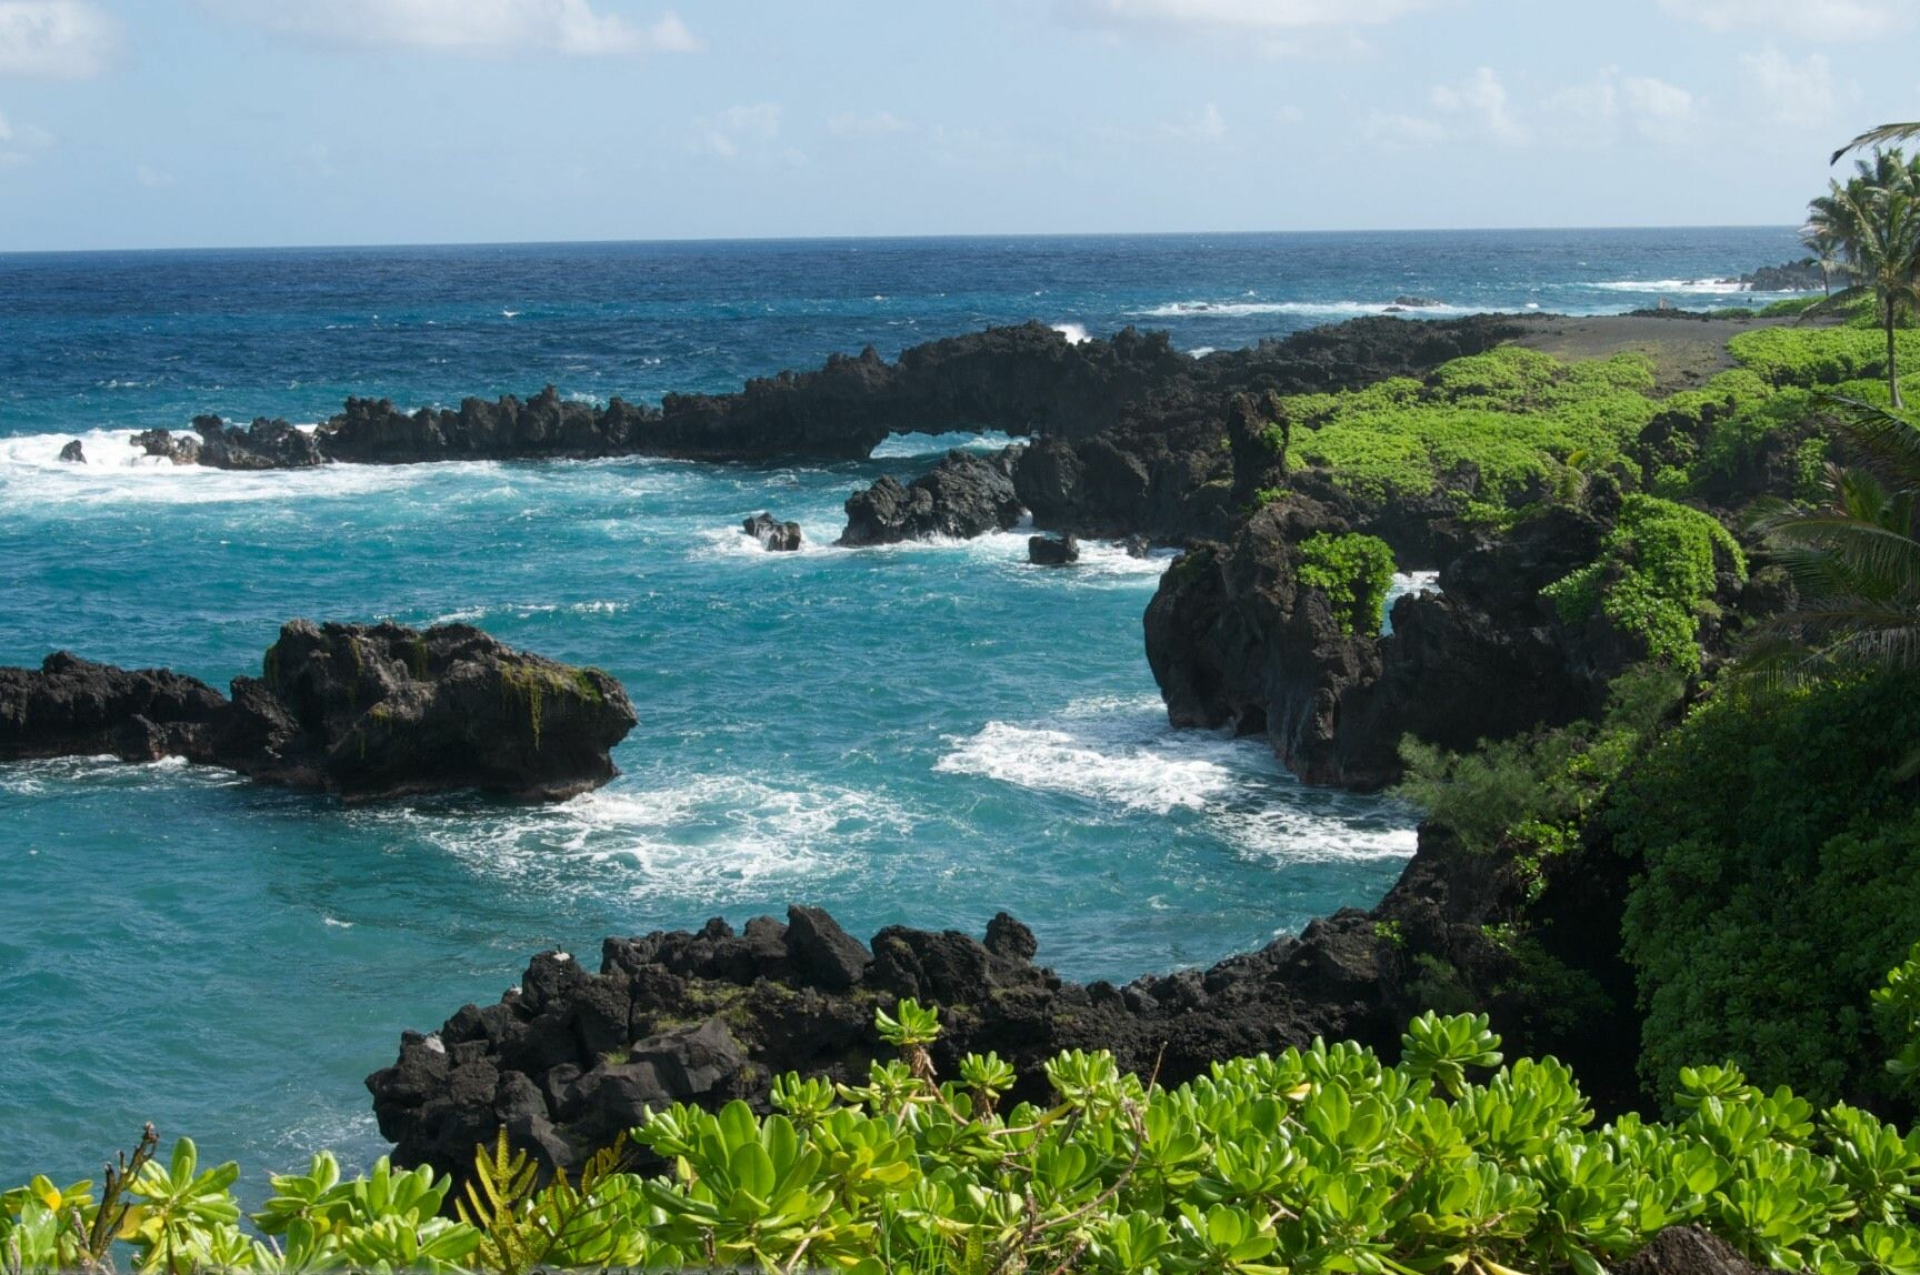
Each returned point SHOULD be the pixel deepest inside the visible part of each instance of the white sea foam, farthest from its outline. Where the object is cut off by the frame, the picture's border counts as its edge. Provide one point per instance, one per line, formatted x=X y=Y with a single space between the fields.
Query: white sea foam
x=1075 y=333
x=734 y=542
x=707 y=838
x=1700 y=287
x=1254 y=309
x=115 y=472
x=903 y=446
x=1122 y=755
x=527 y=610
x=1201 y=351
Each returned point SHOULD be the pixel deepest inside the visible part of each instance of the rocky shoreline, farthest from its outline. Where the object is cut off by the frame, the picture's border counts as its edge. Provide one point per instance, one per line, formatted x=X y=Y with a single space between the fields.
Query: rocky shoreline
x=572 y=1057
x=366 y=712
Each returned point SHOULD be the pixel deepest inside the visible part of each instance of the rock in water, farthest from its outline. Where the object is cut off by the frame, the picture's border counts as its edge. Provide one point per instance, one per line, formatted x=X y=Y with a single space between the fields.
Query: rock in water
x=774 y=535
x=383 y=711
x=70 y=707
x=363 y=711
x=964 y=496
x=1053 y=551
x=162 y=443
x=1138 y=547
x=265 y=444
x=73 y=453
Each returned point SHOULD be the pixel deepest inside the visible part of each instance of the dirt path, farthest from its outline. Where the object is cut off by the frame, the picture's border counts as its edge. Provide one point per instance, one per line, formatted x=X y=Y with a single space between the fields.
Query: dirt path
x=1685 y=350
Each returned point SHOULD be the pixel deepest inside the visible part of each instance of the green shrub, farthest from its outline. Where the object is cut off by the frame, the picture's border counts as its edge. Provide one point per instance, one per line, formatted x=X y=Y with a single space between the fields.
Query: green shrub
x=1324 y=1159
x=1656 y=569
x=1811 y=357
x=1355 y=572
x=1497 y=425
x=1537 y=788
x=1779 y=858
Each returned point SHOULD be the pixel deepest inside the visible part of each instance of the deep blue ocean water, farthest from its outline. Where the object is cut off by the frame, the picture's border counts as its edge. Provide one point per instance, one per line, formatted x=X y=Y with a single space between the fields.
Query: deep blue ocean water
x=921 y=734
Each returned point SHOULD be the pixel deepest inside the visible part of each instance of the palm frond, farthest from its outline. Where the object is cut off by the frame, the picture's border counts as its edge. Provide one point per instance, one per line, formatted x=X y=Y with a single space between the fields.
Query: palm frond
x=1889 y=441
x=1882 y=136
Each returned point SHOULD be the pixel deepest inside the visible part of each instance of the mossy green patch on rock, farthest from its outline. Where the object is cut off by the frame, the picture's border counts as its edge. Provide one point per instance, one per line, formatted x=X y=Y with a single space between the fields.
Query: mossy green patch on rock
x=1656 y=570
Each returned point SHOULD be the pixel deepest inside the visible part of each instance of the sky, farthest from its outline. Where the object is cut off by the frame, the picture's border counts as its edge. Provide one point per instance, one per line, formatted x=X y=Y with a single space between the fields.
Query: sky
x=203 y=123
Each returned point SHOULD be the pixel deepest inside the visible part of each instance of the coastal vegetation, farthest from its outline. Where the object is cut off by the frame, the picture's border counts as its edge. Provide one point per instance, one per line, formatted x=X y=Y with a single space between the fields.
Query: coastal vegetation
x=1326 y=1158
x=1355 y=572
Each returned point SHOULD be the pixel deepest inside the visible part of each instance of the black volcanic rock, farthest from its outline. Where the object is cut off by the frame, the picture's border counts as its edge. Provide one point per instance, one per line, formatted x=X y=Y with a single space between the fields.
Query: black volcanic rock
x=265 y=444
x=73 y=453
x=1052 y=551
x=363 y=711
x=1137 y=414
x=72 y=707
x=1235 y=641
x=708 y=1016
x=1805 y=275
x=159 y=442
x=963 y=496
x=773 y=535
x=383 y=711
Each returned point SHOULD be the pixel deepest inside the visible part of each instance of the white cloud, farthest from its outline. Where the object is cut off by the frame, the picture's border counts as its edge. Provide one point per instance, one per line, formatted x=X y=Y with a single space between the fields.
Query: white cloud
x=1799 y=94
x=1811 y=19
x=569 y=27
x=875 y=124
x=1240 y=15
x=737 y=128
x=1482 y=97
x=56 y=39
x=153 y=178
x=1593 y=113
x=1204 y=125
x=1389 y=129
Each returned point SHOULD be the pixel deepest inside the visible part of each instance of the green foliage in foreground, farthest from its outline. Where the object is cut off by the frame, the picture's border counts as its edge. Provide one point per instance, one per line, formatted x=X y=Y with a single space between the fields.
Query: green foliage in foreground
x=1355 y=572
x=1779 y=857
x=1323 y=1159
x=1656 y=570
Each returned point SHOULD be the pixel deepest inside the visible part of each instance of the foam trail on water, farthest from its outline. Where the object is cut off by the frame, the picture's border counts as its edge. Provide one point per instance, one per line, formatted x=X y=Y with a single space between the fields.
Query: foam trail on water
x=1252 y=309
x=115 y=472
x=1122 y=755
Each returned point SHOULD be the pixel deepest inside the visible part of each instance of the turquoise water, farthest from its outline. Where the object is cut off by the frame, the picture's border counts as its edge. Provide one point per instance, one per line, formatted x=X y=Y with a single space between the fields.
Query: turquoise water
x=923 y=734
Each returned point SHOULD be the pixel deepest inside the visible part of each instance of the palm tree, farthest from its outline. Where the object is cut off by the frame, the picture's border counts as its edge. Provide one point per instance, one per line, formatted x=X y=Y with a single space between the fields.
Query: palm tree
x=1886 y=134
x=1880 y=225
x=1854 y=561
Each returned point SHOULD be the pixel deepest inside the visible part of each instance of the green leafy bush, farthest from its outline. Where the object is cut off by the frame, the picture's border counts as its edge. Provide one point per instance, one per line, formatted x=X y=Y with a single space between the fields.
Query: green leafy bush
x=1809 y=357
x=1778 y=855
x=1355 y=572
x=1324 y=1159
x=1537 y=788
x=1494 y=426
x=1656 y=569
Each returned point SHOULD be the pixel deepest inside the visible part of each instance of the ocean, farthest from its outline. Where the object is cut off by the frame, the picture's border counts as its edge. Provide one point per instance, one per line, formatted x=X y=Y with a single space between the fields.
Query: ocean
x=921 y=734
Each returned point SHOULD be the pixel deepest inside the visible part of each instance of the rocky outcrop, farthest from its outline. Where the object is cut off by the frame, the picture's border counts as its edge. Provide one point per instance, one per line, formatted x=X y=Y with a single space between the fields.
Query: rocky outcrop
x=572 y=1057
x=1235 y=641
x=1805 y=275
x=1053 y=551
x=363 y=711
x=70 y=707
x=963 y=496
x=73 y=453
x=773 y=535
x=265 y=444
x=1157 y=409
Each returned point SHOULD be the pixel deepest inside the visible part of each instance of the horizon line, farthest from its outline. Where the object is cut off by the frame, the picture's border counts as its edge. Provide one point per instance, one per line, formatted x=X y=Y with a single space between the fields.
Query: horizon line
x=873 y=238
